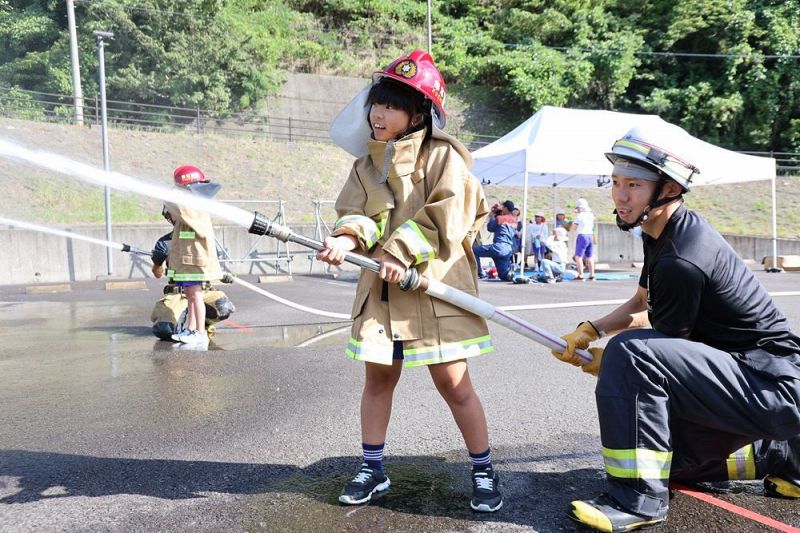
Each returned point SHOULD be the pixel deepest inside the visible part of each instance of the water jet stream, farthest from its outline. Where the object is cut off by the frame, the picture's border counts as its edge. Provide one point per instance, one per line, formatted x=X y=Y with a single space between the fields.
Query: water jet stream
x=258 y=224
x=122 y=247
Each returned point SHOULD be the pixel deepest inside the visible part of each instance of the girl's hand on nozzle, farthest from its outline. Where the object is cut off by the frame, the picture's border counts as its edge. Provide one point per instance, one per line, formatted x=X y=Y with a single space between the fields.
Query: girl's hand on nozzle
x=335 y=249
x=392 y=270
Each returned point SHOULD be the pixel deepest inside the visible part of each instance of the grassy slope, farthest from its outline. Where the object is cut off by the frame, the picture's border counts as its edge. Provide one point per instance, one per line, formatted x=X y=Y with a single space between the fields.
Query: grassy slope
x=295 y=172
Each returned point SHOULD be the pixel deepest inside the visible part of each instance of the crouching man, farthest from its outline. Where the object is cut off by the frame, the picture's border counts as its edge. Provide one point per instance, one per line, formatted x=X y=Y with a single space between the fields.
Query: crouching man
x=702 y=380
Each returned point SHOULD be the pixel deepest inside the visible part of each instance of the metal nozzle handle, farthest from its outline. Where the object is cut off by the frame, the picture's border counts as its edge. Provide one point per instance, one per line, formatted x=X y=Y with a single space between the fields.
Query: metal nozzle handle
x=134 y=250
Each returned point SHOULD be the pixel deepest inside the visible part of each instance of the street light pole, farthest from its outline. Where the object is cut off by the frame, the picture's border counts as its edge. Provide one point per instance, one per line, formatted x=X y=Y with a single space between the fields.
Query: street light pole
x=101 y=36
x=429 y=28
x=77 y=92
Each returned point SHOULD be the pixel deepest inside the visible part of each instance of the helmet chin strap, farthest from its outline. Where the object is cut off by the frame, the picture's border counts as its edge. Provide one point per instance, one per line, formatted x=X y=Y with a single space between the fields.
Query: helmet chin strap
x=652 y=204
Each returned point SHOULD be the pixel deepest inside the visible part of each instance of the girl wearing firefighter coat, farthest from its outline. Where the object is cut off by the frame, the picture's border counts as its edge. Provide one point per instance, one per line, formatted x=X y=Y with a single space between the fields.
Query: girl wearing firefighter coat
x=192 y=254
x=410 y=201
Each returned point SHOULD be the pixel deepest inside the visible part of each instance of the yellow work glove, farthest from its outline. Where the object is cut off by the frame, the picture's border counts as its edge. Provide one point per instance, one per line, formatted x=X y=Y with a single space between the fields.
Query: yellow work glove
x=577 y=340
x=593 y=366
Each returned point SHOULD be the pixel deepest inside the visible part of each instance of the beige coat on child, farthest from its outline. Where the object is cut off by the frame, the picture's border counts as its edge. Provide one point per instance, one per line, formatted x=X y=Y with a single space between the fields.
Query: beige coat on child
x=421 y=205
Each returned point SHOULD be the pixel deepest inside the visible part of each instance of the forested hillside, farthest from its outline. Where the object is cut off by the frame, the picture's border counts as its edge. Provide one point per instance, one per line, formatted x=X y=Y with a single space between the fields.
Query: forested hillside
x=726 y=70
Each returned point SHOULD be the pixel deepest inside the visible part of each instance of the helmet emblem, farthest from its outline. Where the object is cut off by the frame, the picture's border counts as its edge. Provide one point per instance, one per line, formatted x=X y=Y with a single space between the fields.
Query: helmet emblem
x=406 y=69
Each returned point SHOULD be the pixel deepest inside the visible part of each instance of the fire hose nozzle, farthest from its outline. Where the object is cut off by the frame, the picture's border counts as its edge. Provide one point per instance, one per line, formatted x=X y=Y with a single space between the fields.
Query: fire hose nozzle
x=134 y=250
x=260 y=225
x=411 y=281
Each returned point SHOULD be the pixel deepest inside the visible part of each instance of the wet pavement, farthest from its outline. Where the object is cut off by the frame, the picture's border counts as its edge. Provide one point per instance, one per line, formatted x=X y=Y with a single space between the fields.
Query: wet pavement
x=105 y=428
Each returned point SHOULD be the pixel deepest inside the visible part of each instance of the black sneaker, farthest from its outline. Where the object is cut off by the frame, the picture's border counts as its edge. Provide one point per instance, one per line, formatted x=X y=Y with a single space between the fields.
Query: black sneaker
x=486 y=497
x=604 y=514
x=366 y=483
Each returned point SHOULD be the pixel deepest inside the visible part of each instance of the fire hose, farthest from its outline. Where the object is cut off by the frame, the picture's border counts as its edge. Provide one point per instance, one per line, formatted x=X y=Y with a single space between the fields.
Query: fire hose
x=414 y=281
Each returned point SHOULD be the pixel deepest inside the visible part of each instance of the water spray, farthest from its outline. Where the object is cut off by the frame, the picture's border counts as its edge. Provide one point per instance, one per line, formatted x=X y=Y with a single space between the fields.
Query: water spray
x=226 y=278
x=122 y=247
x=122 y=182
x=258 y=224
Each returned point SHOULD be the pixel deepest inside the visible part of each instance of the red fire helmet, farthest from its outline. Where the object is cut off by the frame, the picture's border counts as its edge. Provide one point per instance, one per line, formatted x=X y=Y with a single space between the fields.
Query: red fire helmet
x=417 y=70
x=188 y=174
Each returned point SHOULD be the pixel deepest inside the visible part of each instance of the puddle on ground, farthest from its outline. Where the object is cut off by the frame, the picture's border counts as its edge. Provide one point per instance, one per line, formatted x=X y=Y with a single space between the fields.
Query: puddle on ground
x=423 y=497
x=290 y=336
x=98 y=325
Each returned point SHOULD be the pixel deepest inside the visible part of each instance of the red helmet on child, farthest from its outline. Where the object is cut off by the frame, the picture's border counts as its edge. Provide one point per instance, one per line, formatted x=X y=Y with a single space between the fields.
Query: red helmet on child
x=418 y=71
x=188 y=174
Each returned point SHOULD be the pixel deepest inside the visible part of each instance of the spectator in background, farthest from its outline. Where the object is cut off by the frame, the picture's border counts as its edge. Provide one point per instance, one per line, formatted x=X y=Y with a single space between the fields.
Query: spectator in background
x=554 y=262
x=584 y=243
x=561 y=220
x=517 y=236
x=503 y=224
x=536 y=234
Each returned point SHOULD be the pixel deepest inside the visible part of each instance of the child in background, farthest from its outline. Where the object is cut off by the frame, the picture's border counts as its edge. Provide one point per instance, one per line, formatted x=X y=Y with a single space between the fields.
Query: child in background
x=410 y=201
x=192 y=254
x=536 y=234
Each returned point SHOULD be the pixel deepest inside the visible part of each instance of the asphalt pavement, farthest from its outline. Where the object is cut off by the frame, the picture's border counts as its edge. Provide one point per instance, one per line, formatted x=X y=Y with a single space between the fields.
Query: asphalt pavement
x=106 y=428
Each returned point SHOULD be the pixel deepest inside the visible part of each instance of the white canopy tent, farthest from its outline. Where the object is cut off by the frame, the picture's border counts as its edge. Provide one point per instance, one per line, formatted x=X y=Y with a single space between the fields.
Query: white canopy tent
x=565 y=147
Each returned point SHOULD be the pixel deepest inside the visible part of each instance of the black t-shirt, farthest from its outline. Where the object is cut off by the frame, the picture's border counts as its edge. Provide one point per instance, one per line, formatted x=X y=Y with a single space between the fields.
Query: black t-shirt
x=699 y=289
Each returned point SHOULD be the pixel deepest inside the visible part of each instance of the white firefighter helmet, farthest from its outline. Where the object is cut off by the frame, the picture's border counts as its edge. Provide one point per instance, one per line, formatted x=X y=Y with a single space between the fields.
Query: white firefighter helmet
x=645 y=145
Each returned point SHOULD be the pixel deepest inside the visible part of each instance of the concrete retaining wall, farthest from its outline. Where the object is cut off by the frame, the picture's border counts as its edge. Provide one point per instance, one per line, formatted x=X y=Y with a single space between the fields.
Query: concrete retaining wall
x=33 y=257
x=615 y=246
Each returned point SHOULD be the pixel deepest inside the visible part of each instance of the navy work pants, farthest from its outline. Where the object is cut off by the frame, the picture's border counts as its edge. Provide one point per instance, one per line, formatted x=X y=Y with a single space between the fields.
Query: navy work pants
x=658 y=394
x=500 y=253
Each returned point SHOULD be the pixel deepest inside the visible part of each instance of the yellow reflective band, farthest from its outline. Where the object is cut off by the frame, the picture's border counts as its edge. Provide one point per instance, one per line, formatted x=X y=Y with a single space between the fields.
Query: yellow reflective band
x=637 y=463
x=416 y=242
x=186 y=276
x=634 y=146
x=372 y=352
x=742 y=464
x=381 y=225
x=363 y=225
x=448 y=352
x=186 y=235
x=382 y=353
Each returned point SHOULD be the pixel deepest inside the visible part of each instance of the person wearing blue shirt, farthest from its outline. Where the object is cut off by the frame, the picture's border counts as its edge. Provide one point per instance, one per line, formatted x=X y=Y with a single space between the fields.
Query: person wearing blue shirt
x=503 y=224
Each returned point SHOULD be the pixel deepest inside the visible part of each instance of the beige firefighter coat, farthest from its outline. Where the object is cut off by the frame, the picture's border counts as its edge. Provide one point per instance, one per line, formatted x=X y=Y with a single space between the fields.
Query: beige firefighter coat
x=193 y=250
x=426 y=214
x=171 y=308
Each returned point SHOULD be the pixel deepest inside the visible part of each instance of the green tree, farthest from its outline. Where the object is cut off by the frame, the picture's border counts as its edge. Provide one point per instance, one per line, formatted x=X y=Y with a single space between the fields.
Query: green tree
x=736 y=96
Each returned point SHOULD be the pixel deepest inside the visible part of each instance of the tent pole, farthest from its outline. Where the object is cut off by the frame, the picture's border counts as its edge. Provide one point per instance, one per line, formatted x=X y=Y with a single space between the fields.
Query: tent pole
x=523 y=250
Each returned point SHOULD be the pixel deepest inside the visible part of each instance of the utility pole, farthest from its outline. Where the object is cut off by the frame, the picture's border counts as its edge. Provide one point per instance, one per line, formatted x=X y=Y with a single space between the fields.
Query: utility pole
x=430 y=51
x=101 y=36
x=77 y=92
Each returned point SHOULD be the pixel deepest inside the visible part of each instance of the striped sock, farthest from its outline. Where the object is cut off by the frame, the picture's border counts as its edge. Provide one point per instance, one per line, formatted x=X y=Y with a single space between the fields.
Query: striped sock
x=481 y=461
x=373 y=455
